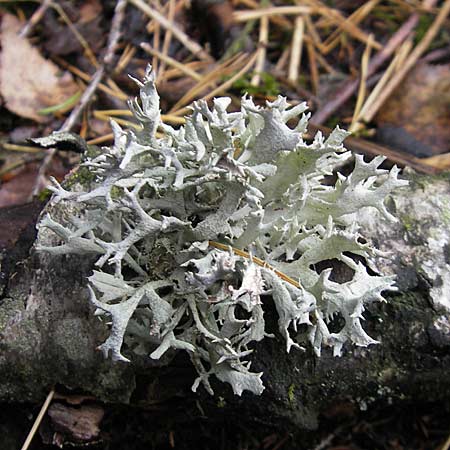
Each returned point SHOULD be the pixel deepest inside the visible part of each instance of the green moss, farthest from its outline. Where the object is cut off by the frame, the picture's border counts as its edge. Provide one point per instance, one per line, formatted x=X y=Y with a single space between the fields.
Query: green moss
x=82 y=176
x=269 y=85
x=291 y=395
x=45 y=195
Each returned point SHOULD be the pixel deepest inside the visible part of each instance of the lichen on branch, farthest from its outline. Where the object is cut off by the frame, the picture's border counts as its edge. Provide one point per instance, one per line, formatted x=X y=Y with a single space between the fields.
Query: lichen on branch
x=194 y=233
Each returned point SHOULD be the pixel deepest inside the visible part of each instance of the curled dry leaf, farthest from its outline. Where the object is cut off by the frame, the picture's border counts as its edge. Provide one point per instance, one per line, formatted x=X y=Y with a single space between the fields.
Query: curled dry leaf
x=29 y=82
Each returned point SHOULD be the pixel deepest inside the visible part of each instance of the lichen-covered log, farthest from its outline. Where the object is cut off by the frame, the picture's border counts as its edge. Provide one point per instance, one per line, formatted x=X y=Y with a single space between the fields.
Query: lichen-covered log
x=48 y=336
x=164 y=224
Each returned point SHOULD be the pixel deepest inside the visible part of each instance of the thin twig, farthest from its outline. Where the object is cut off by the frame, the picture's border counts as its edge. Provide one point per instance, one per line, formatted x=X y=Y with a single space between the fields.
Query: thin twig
x=171 y=62
x=370 y=148
x=35 y=18
x=396 y=62
x=312 y=62
x=167 y=37
x=343 y=93
x=113 y=39
x=362 y=88
x=87 y=78
x=209 y=79
x=410 y=61
x=224 y=86
x=296 y=49
x=262 y=50
x=89 y=53
x=192 y=46
x=355 y=18
x=38 y=420
x=244 y=16
x=256 y=260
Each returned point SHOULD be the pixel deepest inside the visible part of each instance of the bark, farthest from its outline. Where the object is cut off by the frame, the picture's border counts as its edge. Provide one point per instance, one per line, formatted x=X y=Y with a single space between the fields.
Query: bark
x=49 y=335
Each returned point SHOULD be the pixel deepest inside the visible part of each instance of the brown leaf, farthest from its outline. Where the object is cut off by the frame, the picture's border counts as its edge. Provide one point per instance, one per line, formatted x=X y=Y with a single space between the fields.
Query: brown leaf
x=29 y=82
x=18 y=189
x=80 y=424
x=416 y=118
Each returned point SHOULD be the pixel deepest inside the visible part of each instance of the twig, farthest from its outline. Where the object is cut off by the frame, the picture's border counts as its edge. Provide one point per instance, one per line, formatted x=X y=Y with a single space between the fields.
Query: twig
x=314 y=72
x=296 y=49
x=89 y=53
x=38 y=420
x=256 y=260
x=362 y=88
x=35 y=18
x=167 y=37
x=21 y=148
x=86 y=77
x=113 y=38
x=334 y=16
x=343 y=93
x=244 y=16
x=410 y=61
x=262 y=50
x=355 y=18
x=396 y=62
x=192 y=46
x=210 y=78
x=171 y=62
x=369 y=148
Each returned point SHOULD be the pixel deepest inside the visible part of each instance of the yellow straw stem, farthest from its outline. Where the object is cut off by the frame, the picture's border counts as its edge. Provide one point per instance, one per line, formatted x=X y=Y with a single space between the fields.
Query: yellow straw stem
x=256 y=260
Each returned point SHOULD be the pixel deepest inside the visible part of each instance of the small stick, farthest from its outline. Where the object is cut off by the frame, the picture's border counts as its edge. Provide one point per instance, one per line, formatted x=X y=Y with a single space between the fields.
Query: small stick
x=396 y=62
x=335 y=17
x=296 y=49
x=346 y=91
x=192 y=46
x=85 y=77
x=256 y=260
x=35 y=18
x=223 y=87
x=89 y=53
x=209 y=79
x=279 y=20
x=262 y=50
x=21 y=148
x=410 y=61
x=101 y=139
x=314 y=72
x=38 y=420
x=171 y=62
x=156 y=39
x=362 y=88
x=369 y=148
x=113 y=38
x=246 y=15
x=167 y=37
x=126 y=57
x=354 y=19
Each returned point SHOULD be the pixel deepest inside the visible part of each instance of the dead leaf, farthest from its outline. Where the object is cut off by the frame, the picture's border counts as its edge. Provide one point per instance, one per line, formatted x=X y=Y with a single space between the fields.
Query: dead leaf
x=80 y=424
x=29 y=82
x=416 y=119
x=18 y=188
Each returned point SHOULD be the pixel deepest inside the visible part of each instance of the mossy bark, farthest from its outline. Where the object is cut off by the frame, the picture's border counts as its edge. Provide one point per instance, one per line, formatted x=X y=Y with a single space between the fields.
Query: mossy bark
x=49 y=335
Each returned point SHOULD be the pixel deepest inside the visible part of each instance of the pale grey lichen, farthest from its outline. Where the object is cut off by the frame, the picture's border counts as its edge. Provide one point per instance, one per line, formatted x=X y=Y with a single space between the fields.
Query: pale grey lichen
x=197 y=231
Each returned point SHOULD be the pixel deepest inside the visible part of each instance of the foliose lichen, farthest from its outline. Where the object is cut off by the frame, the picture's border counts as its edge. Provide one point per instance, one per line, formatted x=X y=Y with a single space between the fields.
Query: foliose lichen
x=197 y=230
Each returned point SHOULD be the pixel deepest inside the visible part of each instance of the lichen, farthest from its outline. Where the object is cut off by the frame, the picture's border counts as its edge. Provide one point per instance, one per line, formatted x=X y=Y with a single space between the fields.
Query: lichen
x=196 y=231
